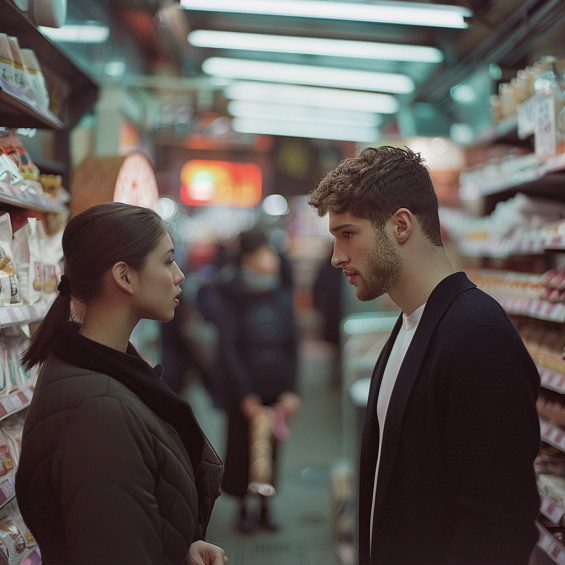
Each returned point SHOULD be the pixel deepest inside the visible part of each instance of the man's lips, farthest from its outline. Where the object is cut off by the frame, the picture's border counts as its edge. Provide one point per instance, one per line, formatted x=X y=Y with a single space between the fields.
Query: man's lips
x=352 y=275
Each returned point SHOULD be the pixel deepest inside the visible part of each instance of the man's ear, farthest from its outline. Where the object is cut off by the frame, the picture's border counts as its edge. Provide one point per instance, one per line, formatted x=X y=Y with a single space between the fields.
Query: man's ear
x=402 y=225
x=123 y=275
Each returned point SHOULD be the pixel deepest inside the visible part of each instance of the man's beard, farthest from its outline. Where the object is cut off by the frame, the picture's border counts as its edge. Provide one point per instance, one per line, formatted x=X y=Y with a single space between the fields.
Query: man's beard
x=384 y=267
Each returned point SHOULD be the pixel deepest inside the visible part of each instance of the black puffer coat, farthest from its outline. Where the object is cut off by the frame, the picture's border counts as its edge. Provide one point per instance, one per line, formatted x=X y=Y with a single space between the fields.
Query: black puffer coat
x=104 y=479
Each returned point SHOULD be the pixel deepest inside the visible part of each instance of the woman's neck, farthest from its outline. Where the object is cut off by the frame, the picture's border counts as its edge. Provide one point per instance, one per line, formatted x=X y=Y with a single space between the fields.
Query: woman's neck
x=108 y=325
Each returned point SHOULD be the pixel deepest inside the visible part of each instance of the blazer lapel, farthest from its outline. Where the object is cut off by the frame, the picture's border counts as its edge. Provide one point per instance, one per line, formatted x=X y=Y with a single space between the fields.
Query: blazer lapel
x=438 y=303
x=370 y=448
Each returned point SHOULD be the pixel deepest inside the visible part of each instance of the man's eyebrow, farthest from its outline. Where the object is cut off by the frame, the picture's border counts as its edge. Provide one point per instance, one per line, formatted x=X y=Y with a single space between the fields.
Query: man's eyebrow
x=337 y=228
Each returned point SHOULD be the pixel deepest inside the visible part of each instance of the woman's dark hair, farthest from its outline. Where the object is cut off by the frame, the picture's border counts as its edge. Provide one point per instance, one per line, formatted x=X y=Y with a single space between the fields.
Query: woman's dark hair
x=378 y=182
x=93 y=242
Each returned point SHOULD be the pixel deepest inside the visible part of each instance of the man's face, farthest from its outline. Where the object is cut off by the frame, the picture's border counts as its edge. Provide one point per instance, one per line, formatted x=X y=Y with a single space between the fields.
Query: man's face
x=367 y=257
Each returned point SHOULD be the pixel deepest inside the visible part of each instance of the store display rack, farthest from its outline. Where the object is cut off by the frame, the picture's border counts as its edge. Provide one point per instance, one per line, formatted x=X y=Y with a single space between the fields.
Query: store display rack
x=18 y=111
x=550 y=545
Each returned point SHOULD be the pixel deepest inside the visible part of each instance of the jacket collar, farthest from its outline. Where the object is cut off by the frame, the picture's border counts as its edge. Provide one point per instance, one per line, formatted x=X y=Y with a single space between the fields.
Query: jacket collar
x=438 y=303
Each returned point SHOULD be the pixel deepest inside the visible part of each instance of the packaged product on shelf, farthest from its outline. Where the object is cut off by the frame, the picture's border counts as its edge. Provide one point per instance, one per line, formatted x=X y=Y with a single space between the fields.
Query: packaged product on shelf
x=20 y=71
x=9 y=291
x=37 y=90
x=12 y=146
x=51 y=184
x=12 y=509
x=52 y=259
x=551 y=460
x=553 y=487
x=12 y=541
x=18 y=344
x=7 y=463
x=27 y=247
x=10 y=364
x=13 y=428
x=6 y=60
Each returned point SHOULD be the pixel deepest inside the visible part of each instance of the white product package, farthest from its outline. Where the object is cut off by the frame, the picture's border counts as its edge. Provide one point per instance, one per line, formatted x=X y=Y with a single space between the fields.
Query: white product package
x=9 y=290
x=52 y=258
x=27 y=257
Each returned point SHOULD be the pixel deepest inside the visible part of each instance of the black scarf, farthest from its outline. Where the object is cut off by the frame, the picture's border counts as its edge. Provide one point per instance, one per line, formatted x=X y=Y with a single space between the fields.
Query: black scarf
x=135 y=373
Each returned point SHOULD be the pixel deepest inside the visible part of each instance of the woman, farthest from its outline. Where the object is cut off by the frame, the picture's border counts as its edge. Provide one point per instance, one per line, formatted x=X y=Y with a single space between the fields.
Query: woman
x=114 y=467
x=258 y=344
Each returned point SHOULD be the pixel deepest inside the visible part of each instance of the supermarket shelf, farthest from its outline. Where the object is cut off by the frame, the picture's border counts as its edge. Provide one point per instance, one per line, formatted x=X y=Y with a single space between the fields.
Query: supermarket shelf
x=40 y=203
x=534 y=308
x=549 y=545
x=13 y=403
x=552 y=434
x=550 y=509
x=22 y=314
x=33 y=558
x=529 y=181
x=19 y=111
x=552 y=381
x=504 y=132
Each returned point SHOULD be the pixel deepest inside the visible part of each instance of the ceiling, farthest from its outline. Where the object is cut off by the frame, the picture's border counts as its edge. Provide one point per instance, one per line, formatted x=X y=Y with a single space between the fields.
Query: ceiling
x=149 y=36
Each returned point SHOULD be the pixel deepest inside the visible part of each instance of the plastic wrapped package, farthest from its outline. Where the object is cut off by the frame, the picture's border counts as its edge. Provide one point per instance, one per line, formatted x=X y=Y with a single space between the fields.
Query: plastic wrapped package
x=9 y=363
x=14 y=510
x=37 y=90
x=9 y=291
x=7 y=462
x=27 y=247
x=12 y=541
x=20 y=71
x=6 y=60
x=13 y=428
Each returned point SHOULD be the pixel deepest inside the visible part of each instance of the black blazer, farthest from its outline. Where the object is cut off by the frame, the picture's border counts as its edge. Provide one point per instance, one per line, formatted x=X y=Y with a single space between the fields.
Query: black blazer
x=456 y=482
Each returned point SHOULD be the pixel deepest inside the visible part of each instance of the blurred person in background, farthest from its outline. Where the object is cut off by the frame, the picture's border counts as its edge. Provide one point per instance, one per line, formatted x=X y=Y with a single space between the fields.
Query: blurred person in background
x=258 y=345
x=114 y=468
x=451 y=428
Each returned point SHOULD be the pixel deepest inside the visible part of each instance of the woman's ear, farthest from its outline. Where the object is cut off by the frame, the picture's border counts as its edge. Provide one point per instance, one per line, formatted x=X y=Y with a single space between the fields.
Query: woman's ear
x=124 y=276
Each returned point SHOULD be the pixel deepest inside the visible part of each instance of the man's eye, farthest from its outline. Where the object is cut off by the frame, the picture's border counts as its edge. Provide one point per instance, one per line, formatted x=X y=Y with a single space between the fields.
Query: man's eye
x=347 y=234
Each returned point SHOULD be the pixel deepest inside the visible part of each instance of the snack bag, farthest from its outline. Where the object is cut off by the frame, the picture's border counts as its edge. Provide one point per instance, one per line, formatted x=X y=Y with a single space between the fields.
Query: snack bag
x=37 y=90
x=20 y=71
x=27 y=257
x=18 y=347
x=9 y=291
x=7 y=464
x=13 y=429
x=12 y=541
x=52 y=258
x=6 y=60
x=10 y=362
x=14 y=510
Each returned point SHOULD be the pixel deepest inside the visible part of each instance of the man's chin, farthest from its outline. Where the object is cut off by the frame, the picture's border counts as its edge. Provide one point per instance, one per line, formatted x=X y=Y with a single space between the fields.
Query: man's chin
x=364 y=296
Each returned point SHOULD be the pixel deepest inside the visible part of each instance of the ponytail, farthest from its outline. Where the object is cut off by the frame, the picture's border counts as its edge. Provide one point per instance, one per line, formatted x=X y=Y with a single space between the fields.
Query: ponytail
x=38 y=351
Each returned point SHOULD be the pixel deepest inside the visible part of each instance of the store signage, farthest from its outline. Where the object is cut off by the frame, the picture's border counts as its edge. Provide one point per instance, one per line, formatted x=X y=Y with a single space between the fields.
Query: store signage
x=136 y=183
x=221 y=183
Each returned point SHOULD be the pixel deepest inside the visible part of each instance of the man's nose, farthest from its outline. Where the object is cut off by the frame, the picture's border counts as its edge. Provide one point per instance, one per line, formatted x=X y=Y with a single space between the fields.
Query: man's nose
x=338 y=258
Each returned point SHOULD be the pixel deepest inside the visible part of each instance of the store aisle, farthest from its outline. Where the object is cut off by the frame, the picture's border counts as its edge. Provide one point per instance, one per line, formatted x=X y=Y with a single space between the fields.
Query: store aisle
x=303 y=505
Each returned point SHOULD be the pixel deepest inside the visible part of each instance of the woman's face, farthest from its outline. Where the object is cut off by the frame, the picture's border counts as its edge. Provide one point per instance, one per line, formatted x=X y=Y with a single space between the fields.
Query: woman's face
x=157 y=289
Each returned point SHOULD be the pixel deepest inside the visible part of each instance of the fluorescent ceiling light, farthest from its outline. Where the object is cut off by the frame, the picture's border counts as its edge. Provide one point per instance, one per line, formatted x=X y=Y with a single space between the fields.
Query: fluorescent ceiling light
x=304 y=114
x=77 y=33
x=314 y=46
x=312 y=96
x=403 y=13
x=299 y=129
x=307 y=74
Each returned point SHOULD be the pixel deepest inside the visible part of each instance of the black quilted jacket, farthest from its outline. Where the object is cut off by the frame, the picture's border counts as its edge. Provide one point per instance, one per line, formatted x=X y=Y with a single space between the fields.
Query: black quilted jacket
x=103 y=479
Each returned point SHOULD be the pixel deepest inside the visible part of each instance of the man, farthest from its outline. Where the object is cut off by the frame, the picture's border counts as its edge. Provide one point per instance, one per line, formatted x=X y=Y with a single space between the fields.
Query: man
x=451 y=430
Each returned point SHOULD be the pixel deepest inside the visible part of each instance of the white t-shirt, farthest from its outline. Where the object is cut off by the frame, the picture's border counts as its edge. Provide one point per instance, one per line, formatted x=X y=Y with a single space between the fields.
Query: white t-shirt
x=399 y=349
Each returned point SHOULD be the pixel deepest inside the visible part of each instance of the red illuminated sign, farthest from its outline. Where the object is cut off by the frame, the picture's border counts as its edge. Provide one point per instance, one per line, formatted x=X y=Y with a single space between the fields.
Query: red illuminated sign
x=221 y=183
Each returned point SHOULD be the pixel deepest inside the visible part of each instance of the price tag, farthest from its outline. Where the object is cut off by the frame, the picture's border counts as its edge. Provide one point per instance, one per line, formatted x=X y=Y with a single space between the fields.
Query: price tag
x=544 y=128
x=7 y=404
x=526 y=118
x=551 y=510
x=16 y=401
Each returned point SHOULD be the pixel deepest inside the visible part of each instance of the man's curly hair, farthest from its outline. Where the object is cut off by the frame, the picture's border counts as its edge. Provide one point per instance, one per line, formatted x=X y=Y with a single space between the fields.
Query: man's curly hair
x=375 y=184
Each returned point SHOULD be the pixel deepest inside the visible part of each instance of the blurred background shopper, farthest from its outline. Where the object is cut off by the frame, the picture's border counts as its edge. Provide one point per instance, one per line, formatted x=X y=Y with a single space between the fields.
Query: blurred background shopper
x=114 y=467
x=258 y=342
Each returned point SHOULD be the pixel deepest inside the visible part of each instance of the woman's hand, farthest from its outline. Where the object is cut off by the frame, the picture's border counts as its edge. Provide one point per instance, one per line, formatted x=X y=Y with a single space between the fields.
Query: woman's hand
x=202 y=553
x=250 y=405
